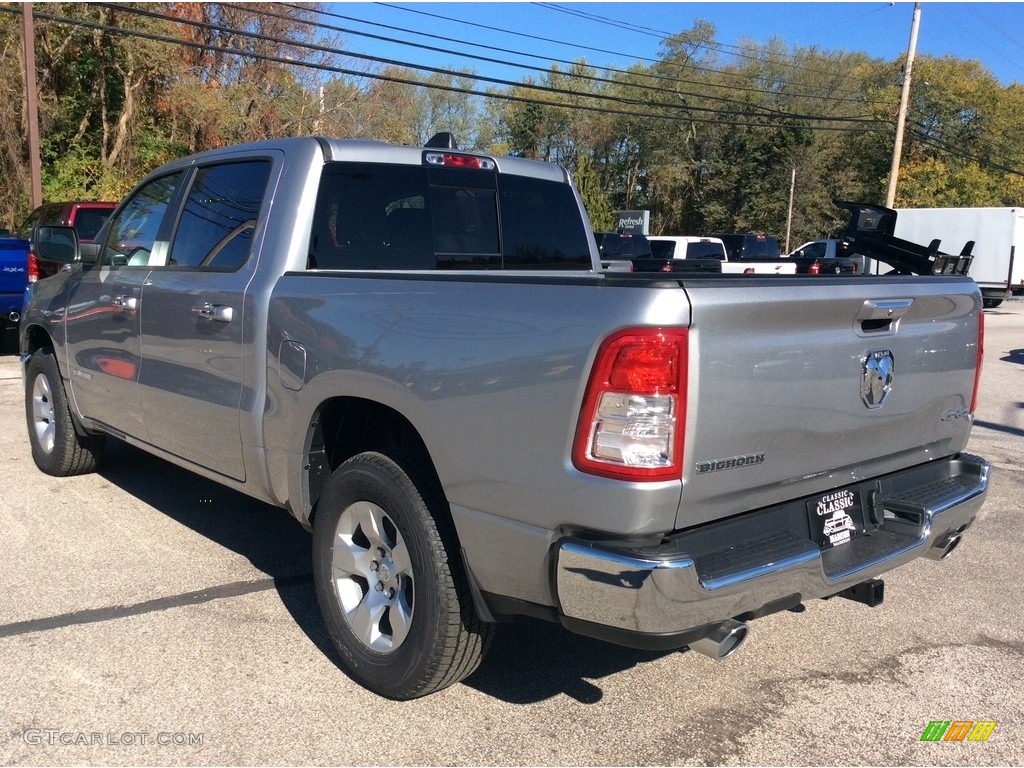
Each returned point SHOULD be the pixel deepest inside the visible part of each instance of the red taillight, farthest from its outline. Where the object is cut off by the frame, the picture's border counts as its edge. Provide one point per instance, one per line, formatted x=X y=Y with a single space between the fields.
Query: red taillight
x=633 y=415
x=461 y=161
x=815 y=268
x=980 y=357
x=33 y=266
x=452 y=160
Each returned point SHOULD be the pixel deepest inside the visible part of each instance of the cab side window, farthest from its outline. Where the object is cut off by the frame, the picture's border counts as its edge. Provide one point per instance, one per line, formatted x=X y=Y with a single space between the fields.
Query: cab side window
x=220 y=215
x=132 y=237
x=815 y=250
x=372 y=216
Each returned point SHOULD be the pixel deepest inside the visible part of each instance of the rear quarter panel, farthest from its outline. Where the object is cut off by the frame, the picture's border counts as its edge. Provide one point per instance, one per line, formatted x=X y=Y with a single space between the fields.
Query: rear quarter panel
x=489 y=370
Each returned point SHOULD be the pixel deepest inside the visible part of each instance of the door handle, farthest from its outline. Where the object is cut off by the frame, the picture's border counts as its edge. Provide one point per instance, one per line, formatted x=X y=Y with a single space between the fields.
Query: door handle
x=881 y=317
x=884 y=309
x=125 y=303
x=217 y=312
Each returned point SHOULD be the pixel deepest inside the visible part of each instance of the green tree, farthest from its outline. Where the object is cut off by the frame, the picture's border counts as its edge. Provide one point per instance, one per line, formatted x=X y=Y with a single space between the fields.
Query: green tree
x=438 y=109
x=599 y=210
x=963 y=147
x=14 y=169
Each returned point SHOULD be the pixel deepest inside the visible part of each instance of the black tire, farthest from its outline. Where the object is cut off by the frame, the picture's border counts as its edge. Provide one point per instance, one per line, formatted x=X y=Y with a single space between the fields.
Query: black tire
x=57 y=448
x=991 y=303
x=8 y=336
x=388 y=524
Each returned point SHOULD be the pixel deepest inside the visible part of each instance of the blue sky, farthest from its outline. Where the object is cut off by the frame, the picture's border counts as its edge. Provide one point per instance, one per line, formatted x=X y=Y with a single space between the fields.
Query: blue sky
x=622 y=33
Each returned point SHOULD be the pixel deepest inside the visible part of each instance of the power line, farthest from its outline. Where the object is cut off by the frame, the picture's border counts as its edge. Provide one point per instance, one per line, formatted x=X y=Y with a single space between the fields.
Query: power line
x=491 y=60
x=737 y=51
x=919 y=132
x=408 y=81
x=632 y=102
x=290 y=62
x=579 y=46
x=996 y=27
x=570 y=75
x=646 y=75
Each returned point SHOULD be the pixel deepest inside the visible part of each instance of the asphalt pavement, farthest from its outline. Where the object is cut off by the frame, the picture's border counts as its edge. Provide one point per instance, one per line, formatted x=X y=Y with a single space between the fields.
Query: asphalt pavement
x=151 y=617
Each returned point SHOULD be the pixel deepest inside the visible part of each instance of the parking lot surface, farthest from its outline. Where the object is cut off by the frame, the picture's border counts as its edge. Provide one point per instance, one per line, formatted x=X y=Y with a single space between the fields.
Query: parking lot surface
x=151 y=617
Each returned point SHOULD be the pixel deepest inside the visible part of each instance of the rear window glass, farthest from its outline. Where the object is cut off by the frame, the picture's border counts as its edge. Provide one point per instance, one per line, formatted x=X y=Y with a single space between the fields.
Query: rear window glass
x=705 y=251
x=626 y=245
x=25 y=232
x=541 y=225
x=465 y=227
x=663 y=249
x=761 y=248
x=750 y=246
x=379 y=216
x=88 y=222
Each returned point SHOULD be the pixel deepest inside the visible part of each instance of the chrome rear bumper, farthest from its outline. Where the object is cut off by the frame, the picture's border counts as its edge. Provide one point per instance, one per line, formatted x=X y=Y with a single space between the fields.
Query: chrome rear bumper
x=676 y=587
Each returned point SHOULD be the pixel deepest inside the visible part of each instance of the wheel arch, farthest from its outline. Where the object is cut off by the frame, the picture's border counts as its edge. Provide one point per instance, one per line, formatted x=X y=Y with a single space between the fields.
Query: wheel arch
x=345 y=426
x=34 y=338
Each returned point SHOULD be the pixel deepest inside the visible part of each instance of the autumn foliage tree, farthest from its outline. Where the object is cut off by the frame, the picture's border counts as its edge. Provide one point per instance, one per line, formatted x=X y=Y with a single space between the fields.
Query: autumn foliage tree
x=705 y=139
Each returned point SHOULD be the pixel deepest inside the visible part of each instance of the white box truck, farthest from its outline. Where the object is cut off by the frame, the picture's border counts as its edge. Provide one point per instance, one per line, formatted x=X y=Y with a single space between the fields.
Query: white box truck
x=998 y=235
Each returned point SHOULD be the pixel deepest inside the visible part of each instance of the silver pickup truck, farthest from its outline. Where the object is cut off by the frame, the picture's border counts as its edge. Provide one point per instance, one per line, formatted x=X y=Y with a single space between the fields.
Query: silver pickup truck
x=416 y=352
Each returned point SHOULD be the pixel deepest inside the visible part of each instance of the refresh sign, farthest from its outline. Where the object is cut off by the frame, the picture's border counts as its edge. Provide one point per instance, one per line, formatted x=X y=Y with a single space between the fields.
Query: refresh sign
x=633 y=222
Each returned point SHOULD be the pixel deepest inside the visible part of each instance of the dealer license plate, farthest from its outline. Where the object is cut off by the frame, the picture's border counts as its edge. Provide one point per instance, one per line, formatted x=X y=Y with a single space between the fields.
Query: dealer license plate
x=836 y=518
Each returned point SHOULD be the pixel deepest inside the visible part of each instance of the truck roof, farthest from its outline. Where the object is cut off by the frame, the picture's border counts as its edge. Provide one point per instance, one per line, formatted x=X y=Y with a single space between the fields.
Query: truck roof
x=367 y=151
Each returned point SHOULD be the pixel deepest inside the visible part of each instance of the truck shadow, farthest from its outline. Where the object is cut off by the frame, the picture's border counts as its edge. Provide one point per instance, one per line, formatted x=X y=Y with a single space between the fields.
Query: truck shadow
x=266 y=536
x=530 y=660
x=1006 y=428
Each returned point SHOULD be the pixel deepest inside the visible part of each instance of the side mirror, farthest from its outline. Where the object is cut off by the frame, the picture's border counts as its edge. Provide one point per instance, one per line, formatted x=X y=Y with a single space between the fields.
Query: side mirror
x=55 y=243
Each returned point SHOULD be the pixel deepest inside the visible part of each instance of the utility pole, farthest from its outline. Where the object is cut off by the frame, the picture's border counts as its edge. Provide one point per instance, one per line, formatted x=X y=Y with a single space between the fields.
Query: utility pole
x=901 y=118
x=319 y=125
x=32 y=104
x=789 y=216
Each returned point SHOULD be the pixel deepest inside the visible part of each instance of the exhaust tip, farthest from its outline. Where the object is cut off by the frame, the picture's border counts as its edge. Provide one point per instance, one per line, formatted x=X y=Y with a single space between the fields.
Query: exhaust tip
x=14 y=316
x=944 y=545
x=723 y=641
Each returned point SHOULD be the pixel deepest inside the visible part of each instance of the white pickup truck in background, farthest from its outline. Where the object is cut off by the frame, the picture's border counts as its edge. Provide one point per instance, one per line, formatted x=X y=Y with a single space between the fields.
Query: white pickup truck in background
x=694 y=247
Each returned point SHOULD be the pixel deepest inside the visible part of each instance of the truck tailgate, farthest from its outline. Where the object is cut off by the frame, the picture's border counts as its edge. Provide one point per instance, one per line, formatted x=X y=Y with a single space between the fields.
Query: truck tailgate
x=790 y=386
x=13 y=275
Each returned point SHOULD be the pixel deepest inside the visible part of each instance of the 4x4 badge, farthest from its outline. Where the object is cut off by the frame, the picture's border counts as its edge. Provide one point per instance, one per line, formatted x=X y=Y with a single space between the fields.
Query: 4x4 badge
x=876 y=378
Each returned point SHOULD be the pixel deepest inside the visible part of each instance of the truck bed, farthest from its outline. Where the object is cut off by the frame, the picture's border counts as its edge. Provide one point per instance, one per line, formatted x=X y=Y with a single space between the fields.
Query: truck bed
x=776 y=369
